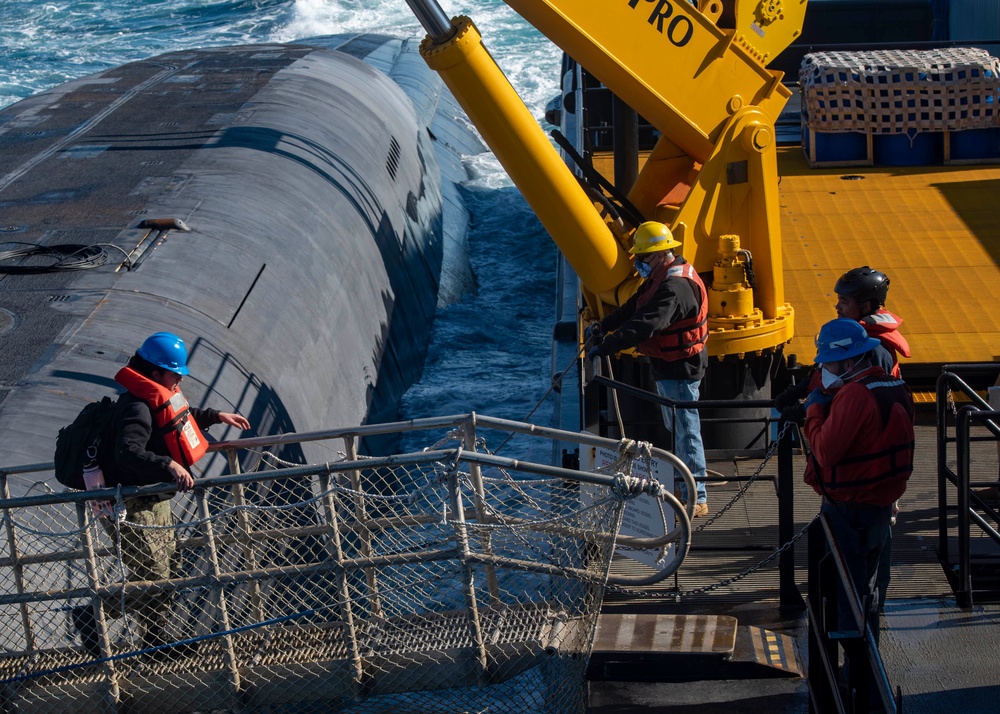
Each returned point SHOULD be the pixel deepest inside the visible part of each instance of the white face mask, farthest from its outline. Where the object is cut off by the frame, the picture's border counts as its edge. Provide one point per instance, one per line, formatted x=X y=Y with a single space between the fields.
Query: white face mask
x=830 y=380
x=643 y=268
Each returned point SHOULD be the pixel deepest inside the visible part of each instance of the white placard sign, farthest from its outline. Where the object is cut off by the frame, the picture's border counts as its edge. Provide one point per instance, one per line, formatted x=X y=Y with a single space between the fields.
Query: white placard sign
x=643 y=516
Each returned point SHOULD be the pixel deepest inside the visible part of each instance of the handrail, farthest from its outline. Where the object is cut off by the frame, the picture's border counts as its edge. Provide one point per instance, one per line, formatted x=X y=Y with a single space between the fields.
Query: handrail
x=680 y=536
x=700 y=405
x=829 y=580
x=666 y=401
x=432 y=570
x=428 y=423
x=979 y=411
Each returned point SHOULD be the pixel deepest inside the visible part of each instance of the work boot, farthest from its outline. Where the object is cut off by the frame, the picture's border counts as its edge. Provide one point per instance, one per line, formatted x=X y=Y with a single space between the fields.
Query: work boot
x=85 y=623
x=700 y=509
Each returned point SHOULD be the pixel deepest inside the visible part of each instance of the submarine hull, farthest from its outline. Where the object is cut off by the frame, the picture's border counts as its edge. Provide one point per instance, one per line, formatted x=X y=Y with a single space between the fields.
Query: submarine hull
x=283 y=208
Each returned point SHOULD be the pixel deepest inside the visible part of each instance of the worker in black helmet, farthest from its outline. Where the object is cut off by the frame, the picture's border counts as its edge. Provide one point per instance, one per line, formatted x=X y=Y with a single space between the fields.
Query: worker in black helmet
x=861 y=294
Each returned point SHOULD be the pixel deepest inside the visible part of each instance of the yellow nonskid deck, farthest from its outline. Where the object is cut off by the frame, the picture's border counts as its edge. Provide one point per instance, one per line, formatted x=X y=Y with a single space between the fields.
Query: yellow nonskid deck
x=932 y=230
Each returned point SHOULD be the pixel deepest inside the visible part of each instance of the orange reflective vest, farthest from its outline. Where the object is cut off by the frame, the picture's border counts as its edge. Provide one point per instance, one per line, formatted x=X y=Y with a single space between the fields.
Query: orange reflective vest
x=684 y=338
x=172 y=415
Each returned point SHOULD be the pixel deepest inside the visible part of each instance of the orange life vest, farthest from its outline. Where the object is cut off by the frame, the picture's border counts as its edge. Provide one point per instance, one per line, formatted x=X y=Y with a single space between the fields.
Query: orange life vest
x=172 y=415
x=684 y=338
x=884 y=326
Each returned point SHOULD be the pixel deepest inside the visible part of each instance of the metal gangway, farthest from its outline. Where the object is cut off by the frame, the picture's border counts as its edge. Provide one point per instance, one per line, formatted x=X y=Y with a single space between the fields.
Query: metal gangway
x=446 y=578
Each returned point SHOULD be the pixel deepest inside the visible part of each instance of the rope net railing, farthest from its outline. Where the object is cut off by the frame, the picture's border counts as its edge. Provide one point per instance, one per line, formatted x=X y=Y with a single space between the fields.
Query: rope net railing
x=444 y=580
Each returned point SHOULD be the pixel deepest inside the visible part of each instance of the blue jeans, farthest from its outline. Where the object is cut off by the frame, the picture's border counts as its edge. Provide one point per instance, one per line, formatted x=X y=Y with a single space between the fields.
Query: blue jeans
x=688 y=446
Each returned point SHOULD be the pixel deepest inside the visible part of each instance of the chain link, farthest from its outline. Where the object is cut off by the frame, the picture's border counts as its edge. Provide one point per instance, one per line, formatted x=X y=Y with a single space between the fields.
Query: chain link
x=678 y=594
x=749 y=482
x=951 y=403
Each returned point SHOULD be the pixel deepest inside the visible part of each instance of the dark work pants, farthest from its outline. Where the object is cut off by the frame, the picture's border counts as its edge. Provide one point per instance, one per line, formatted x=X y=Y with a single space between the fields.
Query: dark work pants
x=861 y=532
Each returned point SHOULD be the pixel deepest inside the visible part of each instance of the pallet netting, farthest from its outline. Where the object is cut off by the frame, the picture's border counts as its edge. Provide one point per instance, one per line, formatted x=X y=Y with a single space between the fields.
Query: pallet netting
x=438 y=581
x=900 y=91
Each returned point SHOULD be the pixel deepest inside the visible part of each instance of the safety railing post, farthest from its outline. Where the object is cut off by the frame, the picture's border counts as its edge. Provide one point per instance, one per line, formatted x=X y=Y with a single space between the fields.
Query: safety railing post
x=821 y=650
x=788 y=590
x=942 y=465
x=17 y=567
x=361 y=523
x=243 y=528
x=482 y=513
x=963 y=445
x=247 y=546
x=219 y=594
x=468 y=575
x=335 y=548
x=112 y=693
x=838 y=619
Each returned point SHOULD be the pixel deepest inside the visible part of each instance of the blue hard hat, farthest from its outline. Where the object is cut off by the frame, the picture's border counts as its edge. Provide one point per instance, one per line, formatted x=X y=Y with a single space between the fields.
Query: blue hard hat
x=167 y=351
x=842 y=339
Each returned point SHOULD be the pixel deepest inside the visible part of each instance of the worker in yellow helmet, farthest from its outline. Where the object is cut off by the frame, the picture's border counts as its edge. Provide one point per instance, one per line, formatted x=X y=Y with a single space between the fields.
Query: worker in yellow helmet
x=667 y=321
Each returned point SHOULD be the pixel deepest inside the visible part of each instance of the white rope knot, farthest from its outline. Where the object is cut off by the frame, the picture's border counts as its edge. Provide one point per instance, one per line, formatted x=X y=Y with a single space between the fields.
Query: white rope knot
x=456 y=434
x=119 y=508
x=625 y=445
x=627 y=486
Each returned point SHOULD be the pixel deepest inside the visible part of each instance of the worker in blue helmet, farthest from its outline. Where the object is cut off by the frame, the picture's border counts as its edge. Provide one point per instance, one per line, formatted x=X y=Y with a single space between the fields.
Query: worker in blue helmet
x=155 y=437
x=861 y=296
x=859 y=427
x=167 y=351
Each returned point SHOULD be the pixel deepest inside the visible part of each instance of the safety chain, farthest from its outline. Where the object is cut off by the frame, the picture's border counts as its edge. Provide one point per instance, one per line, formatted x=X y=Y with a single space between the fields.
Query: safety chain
x=678 y=594
x=739 y=494
x=746 y=486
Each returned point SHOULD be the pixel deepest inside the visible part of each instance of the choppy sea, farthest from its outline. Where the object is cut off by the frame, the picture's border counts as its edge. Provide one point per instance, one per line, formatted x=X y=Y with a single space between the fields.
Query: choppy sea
x=490 y=350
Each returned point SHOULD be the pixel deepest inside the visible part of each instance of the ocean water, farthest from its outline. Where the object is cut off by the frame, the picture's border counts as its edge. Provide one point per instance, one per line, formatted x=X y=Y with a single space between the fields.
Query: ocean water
x=490 y=351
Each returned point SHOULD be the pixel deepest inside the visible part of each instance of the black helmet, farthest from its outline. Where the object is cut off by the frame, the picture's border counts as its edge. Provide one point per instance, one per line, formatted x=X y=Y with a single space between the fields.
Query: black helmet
x=864 y=284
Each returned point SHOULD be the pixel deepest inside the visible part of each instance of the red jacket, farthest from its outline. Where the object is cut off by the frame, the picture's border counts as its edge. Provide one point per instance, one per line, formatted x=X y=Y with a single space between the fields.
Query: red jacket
x=861 y=443
x=884 y=326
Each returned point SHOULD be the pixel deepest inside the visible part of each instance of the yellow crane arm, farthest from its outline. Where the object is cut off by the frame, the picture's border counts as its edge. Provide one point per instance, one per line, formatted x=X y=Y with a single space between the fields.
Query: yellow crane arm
x=706 y=89
x=527 y=155
x=670 y=62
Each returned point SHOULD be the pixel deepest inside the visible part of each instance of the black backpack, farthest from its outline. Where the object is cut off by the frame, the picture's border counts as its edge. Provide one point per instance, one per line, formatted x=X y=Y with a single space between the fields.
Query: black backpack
x=91 y=426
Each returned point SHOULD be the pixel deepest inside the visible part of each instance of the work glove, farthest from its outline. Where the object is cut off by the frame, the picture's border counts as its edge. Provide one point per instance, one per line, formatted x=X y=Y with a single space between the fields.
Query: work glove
x=817 y=396
x=795 y=413
x=594 y=332
x=791 y=395
x=594 y=351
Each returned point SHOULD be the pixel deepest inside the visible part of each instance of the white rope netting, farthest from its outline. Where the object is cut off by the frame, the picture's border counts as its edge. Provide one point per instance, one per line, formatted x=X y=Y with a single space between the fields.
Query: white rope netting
x=900 y=91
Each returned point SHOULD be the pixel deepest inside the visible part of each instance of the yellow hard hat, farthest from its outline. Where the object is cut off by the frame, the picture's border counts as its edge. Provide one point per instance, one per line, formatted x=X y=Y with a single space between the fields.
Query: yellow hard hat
x=653 y=236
